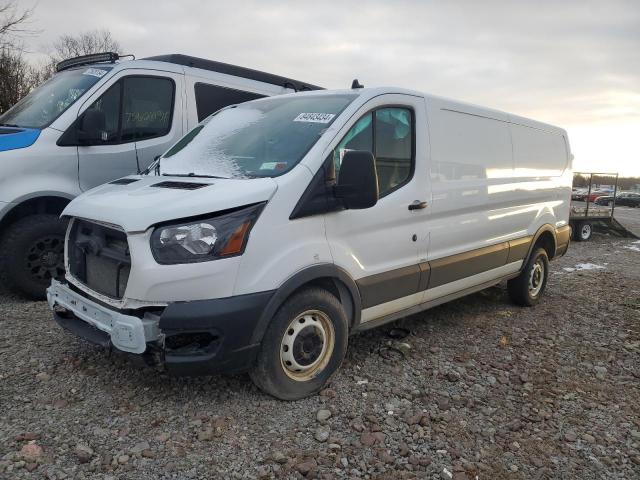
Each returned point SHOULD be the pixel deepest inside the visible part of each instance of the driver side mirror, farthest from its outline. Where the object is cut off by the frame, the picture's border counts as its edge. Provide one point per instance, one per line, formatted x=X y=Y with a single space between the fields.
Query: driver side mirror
x=92 y=127
x=358 y=180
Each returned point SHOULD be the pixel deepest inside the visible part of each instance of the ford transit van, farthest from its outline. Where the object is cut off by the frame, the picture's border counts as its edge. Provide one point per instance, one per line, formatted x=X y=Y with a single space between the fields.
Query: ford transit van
x=276 y=228
x=96 y=120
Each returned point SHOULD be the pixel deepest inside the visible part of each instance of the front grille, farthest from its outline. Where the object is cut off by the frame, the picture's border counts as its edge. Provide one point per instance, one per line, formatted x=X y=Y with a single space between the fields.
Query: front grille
x=99 y=258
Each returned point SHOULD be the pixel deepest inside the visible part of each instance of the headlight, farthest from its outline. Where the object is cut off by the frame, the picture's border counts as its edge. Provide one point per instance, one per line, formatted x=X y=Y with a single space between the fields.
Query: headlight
x=204 y=239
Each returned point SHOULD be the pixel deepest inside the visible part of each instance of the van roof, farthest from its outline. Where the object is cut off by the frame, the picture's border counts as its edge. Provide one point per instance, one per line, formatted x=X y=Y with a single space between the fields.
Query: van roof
x=228 y=69
x=192 y=62
x=465 y=107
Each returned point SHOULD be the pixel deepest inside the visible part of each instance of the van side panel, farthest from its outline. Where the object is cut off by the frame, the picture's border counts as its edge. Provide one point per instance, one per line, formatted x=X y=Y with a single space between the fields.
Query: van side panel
x=493 y=180
x=538 y=152
x=471 y=168
x=542 y=175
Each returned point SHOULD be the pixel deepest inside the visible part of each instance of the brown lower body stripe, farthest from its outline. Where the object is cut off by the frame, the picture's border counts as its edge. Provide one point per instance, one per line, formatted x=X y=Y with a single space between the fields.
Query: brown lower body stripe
x=401 y=282
x=387 y=286
x=563 y=237
x=519 y=248
x=456 y=267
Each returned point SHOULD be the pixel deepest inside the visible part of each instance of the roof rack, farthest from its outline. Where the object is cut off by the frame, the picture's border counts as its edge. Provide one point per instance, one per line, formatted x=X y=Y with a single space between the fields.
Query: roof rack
x=109 y=57
x=234 y=70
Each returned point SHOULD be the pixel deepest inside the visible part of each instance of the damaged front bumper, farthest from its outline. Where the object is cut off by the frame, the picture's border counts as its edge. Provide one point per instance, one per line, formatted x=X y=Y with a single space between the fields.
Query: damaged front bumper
x=184 y=338
x=125 y=332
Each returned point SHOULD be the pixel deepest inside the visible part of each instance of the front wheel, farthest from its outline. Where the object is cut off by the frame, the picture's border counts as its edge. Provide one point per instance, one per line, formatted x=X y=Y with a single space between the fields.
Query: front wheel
x=527 y=288
x=303 y=346
x=32 y=254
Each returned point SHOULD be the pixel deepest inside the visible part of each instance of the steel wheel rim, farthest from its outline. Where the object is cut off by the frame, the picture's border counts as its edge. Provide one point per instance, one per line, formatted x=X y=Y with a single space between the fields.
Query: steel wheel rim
x=586 y=231
x=44 y=259
x=536 y=278
x=307 y=345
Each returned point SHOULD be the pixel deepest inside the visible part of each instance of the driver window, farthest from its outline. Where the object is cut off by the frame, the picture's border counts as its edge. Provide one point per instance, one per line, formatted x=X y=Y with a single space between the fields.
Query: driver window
x=388 y=134
x=109 y=105
x=360 y=137
x=134 y=109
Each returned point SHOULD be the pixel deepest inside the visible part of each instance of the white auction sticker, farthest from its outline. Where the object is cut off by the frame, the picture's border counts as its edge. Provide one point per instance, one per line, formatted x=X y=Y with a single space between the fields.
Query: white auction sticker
x=95 y=72
x=314 y=117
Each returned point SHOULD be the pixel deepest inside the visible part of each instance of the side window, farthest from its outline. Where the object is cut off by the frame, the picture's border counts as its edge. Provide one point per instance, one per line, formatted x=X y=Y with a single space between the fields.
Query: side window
x=109 y=105
x=388 y=134
x=211 y=98
x=134 y=108
x=147 y=107
x=393 y=147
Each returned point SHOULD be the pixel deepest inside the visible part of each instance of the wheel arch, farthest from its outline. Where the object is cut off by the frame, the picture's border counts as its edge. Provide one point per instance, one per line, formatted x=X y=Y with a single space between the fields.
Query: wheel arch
x=44 y=202
x=544 y=237
x=327 y=276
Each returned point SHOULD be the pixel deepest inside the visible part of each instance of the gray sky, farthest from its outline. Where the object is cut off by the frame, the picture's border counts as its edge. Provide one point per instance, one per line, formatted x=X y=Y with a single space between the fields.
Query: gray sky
x=575 y=64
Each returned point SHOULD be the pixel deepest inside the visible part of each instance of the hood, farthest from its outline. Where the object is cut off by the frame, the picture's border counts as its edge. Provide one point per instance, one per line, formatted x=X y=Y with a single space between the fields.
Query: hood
x=137 y=202
x=13 y=138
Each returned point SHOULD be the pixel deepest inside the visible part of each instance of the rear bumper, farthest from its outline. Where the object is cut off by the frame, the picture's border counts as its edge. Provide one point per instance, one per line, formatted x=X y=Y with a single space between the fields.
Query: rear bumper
x=186 y=338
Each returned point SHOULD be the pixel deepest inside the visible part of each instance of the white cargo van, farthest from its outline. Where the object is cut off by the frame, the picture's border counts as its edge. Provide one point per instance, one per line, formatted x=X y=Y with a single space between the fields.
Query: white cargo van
x=276 y=228
x=96 y=120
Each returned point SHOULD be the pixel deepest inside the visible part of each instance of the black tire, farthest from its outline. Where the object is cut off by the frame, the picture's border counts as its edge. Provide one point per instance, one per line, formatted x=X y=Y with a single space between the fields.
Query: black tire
x=521 y=289
x=583 y=231
x=32 y=252
x=271 y=375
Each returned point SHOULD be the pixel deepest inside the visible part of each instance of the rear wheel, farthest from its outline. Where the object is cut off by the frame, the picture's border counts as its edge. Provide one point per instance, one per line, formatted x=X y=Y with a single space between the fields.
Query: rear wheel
x=303 y=346
x=583 y=232
x=527 y=288
x=32 y=254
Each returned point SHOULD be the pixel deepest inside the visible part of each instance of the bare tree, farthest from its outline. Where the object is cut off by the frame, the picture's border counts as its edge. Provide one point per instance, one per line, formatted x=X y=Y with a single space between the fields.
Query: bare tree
x=85 y=43
x=13 y=23
x=17 y=77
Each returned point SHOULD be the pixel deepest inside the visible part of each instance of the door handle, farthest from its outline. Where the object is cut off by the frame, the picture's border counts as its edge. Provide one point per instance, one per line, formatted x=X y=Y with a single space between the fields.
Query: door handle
x=417 y=205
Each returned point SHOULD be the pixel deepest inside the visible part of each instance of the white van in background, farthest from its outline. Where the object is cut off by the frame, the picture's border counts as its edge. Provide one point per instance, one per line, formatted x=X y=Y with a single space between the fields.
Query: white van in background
x=276 y=228
x=96 y=120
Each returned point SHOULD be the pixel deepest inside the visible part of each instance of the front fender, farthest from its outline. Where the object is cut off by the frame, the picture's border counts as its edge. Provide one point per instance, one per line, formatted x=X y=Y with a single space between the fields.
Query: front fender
x=301 y=278
x=42 y=169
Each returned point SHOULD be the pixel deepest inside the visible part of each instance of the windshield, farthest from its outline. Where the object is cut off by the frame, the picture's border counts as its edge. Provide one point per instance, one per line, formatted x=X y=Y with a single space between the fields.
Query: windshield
x=47 y=102
x=261 y=138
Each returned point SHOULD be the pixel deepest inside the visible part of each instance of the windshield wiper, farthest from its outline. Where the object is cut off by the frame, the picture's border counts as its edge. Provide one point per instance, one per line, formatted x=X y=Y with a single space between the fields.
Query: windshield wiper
x=192 y=174
x=10 y=125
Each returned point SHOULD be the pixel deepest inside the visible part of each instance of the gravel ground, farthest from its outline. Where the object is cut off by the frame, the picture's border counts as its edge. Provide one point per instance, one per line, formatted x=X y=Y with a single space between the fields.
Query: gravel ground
x=477 y=389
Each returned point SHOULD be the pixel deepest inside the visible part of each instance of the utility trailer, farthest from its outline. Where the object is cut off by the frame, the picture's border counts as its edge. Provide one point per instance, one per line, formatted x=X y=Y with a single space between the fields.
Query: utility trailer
x=587 y=214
